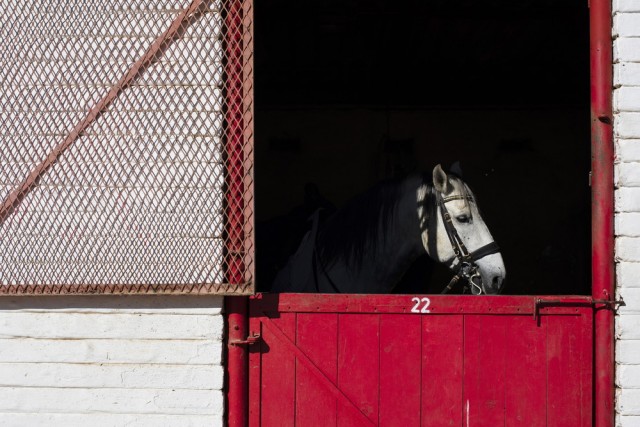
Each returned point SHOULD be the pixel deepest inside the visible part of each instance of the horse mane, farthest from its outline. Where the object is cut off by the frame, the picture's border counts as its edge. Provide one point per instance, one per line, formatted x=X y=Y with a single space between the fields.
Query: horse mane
x=354 y=229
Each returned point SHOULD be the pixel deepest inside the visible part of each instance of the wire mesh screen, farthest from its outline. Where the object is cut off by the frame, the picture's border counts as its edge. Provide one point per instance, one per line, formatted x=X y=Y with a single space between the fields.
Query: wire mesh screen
x=126 y=146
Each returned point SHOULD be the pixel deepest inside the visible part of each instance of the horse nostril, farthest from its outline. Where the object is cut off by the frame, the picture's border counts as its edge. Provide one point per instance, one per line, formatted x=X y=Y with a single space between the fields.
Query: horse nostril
x=496 y=282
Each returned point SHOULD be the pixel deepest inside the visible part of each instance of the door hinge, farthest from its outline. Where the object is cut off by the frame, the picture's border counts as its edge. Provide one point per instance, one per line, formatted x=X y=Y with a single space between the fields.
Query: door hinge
x=251 y=339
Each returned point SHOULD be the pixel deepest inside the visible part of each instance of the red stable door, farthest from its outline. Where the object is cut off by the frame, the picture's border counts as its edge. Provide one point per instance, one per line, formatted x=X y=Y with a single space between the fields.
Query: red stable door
x=369 y=360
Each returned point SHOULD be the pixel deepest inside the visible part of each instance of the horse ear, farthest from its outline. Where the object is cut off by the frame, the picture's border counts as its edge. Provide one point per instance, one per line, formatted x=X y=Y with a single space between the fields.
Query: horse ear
x=441 y=180
x=456 y=168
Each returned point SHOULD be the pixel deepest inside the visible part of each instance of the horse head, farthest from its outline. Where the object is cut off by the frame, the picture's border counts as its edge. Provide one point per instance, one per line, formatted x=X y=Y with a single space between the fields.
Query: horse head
x=457 y=236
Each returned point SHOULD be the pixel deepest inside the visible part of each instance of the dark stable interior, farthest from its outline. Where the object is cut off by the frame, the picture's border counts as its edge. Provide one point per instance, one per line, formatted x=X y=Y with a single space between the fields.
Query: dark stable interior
x=352 y=92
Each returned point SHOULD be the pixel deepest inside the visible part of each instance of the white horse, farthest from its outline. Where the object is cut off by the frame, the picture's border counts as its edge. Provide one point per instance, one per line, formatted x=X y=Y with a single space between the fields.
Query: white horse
x=367 y=246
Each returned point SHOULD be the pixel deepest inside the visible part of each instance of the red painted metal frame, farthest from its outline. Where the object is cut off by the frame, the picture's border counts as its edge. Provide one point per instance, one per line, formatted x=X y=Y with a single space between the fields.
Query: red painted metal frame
x=400 y=304
x=238 y=197
x=602 y=206
x=236 y=286
x=237 y=378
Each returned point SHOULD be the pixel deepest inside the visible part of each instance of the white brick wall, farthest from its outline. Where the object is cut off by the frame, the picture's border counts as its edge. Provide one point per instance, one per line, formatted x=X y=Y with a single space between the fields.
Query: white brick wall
x=111 y=361
x=626 y=31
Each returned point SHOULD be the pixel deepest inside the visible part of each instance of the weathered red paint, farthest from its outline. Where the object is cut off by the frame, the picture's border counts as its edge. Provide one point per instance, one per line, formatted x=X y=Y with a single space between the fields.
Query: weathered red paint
x=352 y=360
x=602 y=206
x=239 y=265
x=234 y=144
x=237 y=357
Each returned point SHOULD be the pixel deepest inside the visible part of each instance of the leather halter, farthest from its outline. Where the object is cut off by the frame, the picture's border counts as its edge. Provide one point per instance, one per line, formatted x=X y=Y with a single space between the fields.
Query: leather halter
x=467 y=268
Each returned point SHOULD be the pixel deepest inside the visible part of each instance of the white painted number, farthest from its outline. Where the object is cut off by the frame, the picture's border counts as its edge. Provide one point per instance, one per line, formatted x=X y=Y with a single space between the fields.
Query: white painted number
x=425 y=307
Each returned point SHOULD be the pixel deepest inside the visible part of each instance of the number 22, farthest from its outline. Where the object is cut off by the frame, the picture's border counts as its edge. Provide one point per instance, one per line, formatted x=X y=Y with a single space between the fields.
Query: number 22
x=425 y=307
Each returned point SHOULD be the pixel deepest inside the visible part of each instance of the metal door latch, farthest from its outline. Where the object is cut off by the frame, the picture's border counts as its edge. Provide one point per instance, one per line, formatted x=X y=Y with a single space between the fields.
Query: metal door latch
x=609 y=303
x=251 y=339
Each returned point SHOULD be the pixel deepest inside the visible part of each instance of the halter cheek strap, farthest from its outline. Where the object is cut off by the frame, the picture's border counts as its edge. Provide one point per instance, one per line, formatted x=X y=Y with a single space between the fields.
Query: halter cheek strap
x=467 y=267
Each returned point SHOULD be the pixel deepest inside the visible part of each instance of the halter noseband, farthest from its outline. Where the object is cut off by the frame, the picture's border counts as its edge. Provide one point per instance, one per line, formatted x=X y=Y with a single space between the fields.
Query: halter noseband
x=467 y=268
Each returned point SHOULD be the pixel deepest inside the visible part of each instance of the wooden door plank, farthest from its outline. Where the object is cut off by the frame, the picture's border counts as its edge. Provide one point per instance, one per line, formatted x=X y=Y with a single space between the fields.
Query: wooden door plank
x=400 y=348
x=442 y=370
x=278 y=374
x=317 y=336
x=526 y=369
x=587 y=363
x=289 y=345
x=484 y=370
x=255 y=373
x=472 y=367
x=359 y=366
x=565 y=356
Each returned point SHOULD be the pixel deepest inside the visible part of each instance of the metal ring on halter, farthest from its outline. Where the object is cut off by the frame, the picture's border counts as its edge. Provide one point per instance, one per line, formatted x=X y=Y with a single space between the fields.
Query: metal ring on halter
x=473 y=284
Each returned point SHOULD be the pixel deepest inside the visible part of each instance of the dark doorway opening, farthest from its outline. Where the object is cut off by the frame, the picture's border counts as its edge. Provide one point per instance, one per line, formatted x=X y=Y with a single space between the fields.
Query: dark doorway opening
x=352 y=92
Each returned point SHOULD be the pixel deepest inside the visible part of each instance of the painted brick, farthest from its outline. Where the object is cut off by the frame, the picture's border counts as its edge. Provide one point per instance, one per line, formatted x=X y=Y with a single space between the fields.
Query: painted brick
x=118 y=400
x=626 y=74
x=628 y=274
x=628 y=376
x=627 y=174
x=126 y=304
x=628 y=224
x=628 y=249
x=627 y=351
x=628 y=402
x=627 y=99
x=111 y=361
x=186 y=352
x=628 y=421
x=627 y=125
x=626 y=49
x=115 y=326
x=628 y=150
x=627 y=199
x=107 y=420
x=631 y=297
x=194 y=377
x=626 y=6
x=628 y=328
x=626 y=24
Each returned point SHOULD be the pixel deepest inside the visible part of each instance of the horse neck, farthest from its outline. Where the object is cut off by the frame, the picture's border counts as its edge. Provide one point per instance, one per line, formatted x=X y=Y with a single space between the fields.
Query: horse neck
x=399 y=242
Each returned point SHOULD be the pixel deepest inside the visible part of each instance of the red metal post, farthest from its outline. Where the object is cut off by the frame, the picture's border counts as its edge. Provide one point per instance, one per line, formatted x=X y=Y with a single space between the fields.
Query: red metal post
x=237 y=362
x=238 y=109
x=602 y=207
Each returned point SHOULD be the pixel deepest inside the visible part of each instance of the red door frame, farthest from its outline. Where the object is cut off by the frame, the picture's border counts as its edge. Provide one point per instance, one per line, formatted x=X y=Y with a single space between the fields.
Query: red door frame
x=602 y=207
x=603 y=285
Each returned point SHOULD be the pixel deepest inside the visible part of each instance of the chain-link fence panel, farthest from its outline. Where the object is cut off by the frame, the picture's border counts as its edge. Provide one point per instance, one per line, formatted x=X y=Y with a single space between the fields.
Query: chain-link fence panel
x=126 y=146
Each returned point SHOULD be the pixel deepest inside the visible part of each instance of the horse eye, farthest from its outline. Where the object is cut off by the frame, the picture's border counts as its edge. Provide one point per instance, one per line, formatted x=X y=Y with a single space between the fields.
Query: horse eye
x=463 y=219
